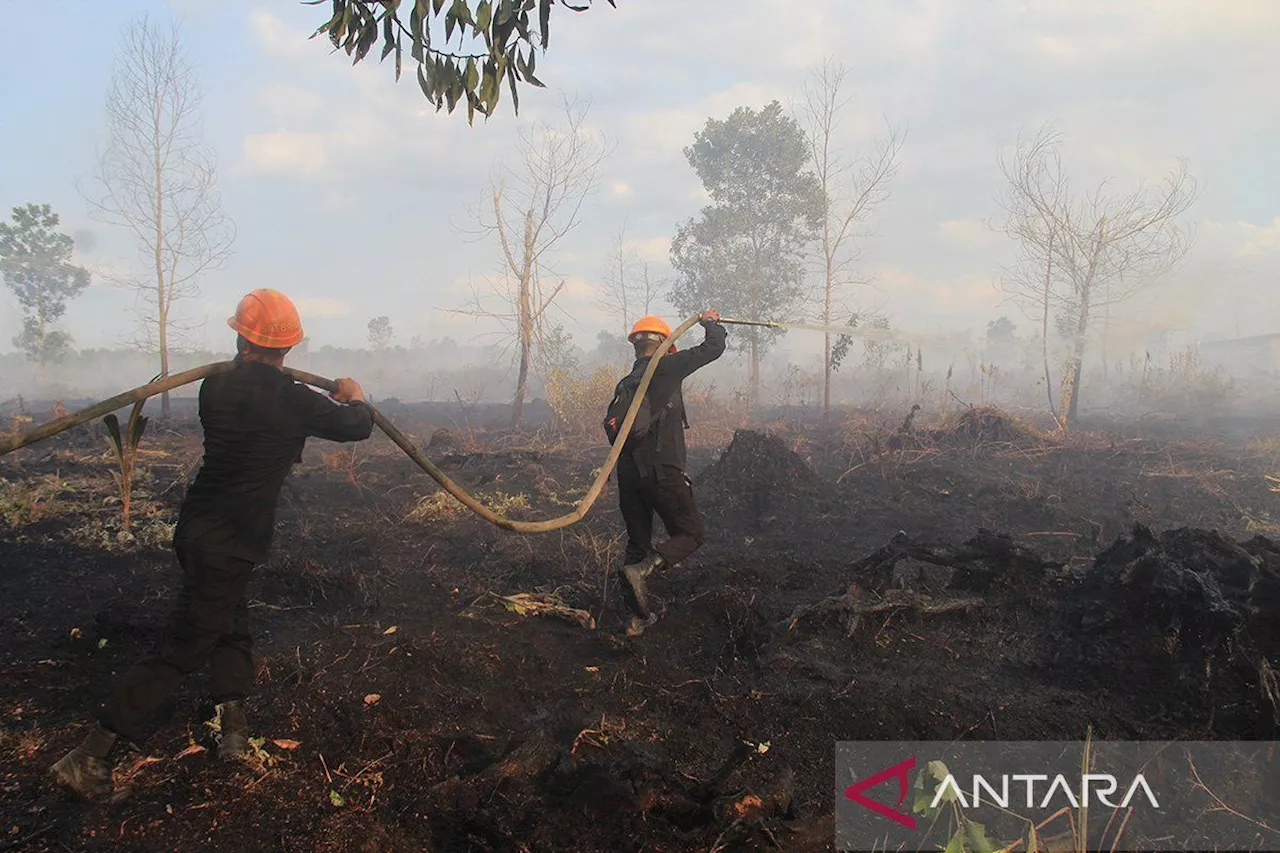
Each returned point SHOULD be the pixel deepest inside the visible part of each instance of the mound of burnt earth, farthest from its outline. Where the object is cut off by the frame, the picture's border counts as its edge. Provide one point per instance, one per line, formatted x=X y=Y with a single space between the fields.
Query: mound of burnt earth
x=980 y=425
x=756 y=476
x=1201 y=591
x=1189 y=607
x=929 y=579
x=1181 y=627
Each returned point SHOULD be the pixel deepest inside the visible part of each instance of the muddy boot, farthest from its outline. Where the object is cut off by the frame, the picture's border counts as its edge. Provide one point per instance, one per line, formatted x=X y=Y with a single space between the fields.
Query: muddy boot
x=85 y=769
x=636 y=625
x=233 y=730
x=634 y=587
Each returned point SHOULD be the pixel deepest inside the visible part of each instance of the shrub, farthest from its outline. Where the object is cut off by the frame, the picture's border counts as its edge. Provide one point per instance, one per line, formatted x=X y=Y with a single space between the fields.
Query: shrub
x=1188 y=382
x=441 y=506
x=578 y=401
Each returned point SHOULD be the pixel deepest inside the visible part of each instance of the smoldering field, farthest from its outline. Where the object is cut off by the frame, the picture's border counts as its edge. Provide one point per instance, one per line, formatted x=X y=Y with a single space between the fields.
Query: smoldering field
x=971 y=573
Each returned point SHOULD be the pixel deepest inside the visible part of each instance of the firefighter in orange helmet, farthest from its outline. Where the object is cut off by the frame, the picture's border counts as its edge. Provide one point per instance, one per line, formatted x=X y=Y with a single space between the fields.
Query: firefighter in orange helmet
x=255 y=420
x=651 y=469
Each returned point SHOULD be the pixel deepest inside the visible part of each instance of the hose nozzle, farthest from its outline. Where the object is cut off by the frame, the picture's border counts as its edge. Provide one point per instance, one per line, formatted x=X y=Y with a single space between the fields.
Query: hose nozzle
x=767 y=324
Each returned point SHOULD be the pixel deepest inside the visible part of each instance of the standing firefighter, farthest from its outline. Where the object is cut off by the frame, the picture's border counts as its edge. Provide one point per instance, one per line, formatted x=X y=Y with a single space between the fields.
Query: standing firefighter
x=256 y=421
x=651 y=475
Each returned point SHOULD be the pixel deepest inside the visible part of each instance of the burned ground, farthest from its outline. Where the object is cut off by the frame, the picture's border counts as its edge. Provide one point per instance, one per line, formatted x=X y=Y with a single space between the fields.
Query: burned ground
x=860 y=582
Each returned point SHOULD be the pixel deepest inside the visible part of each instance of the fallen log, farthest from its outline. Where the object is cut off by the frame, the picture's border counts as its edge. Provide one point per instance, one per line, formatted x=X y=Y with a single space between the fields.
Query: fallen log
x=855 y=603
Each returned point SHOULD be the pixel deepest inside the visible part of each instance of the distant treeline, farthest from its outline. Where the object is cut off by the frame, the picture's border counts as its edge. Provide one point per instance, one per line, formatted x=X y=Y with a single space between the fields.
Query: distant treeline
x=440 y=370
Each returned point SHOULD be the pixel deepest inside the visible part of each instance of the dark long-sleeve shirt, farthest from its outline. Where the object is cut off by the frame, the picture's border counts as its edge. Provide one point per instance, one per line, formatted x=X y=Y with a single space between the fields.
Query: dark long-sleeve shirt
x=256 y=421
x=666 y=443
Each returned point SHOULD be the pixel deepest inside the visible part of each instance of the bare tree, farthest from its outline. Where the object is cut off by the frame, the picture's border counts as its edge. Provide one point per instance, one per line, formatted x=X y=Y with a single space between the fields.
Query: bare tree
x=1082 y=255
x=532 y=208
x=629 y=290
x=1032 y=220
x=851 y=191
x=158 y=179
x=380 y=333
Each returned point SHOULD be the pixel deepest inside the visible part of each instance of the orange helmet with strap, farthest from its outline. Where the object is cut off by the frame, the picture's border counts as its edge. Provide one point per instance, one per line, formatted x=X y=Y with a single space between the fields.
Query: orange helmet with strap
x=269 y=319
x=650 y=326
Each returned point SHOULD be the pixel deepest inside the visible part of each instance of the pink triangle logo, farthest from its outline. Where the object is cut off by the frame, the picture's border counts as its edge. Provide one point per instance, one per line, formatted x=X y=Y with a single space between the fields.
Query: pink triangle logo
x=901 y=772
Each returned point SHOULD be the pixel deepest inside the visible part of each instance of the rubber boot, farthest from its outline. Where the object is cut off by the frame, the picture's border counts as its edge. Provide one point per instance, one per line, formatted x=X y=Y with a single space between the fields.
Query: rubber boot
x=635 y=576
x=85 y=769
x=233 y=730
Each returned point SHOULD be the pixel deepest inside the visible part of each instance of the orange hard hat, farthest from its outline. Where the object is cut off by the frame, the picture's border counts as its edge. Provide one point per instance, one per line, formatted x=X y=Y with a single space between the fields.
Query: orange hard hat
x=268 y=318
x=650 y=324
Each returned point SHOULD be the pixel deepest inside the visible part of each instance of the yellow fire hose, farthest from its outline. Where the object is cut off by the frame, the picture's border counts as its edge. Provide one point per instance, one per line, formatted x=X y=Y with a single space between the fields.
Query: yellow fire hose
x=8 y=444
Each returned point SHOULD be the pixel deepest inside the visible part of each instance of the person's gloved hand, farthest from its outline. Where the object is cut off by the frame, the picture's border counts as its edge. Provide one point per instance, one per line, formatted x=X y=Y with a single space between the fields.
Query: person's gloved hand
x=711 y=315
x=349 y=391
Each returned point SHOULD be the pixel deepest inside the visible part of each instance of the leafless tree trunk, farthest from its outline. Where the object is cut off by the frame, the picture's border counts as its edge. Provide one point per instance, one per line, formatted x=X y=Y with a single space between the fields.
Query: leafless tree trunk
x=157 y=179
x=1044 y=329
x=531 y=210
x=851 y=191
x=1095 y=250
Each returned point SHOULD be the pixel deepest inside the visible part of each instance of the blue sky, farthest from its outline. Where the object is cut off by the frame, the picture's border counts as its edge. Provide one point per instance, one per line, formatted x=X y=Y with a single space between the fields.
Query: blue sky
x=347 y=191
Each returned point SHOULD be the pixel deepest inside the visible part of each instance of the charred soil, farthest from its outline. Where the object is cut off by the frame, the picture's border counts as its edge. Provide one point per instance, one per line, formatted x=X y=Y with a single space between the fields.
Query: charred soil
x=978 y=581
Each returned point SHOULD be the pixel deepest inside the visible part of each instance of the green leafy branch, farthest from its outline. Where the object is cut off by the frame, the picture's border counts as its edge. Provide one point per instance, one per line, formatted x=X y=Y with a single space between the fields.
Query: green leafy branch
x=125 y=446
x=448 y=78
x=965 y=835
x=840 y=349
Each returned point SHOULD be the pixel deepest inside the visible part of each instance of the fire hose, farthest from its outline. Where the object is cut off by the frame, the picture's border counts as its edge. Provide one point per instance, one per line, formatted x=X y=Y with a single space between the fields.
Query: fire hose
x=8 y=444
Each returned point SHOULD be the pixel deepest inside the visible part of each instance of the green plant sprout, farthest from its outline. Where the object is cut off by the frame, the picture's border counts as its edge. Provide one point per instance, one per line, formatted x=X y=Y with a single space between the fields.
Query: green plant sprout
x=125 y=445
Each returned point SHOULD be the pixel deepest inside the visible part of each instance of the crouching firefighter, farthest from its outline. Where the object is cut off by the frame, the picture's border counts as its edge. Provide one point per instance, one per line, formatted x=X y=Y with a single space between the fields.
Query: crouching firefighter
x=255 y=421
x=651 y=475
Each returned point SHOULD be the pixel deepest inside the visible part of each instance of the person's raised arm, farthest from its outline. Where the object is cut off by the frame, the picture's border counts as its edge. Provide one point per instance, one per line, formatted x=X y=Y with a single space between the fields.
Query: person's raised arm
x=685 y=362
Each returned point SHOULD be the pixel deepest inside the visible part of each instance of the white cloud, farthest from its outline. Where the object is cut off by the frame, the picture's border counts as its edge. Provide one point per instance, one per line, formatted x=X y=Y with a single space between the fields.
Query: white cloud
x=276 y=37
x=651 y=248
x=284 y=152
x=579 y=288
x=969 y=235
x=664 y=134
x=287 y=103
x=620 y=189
x=1259 y=239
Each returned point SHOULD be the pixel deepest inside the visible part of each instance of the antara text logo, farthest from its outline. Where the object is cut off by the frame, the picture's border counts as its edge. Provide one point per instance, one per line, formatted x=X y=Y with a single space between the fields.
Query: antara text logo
x=1094 y=788
x=1037 y=790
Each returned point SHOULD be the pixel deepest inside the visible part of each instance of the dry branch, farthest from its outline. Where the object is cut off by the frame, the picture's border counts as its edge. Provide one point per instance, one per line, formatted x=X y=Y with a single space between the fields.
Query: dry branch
x=855 y=604
x=538 y=604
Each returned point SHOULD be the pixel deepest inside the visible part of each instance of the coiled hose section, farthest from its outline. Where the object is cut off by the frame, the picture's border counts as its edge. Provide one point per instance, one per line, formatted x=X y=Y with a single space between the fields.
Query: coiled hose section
x=8 y=444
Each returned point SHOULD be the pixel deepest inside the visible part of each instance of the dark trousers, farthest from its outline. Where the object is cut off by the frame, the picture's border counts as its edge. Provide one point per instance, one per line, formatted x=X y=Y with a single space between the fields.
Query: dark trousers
x=210 y=623
x=668 y=493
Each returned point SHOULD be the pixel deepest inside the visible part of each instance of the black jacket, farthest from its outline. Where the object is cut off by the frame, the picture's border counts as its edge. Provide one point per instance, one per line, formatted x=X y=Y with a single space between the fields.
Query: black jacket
x=256 y=421
x=664 y=446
